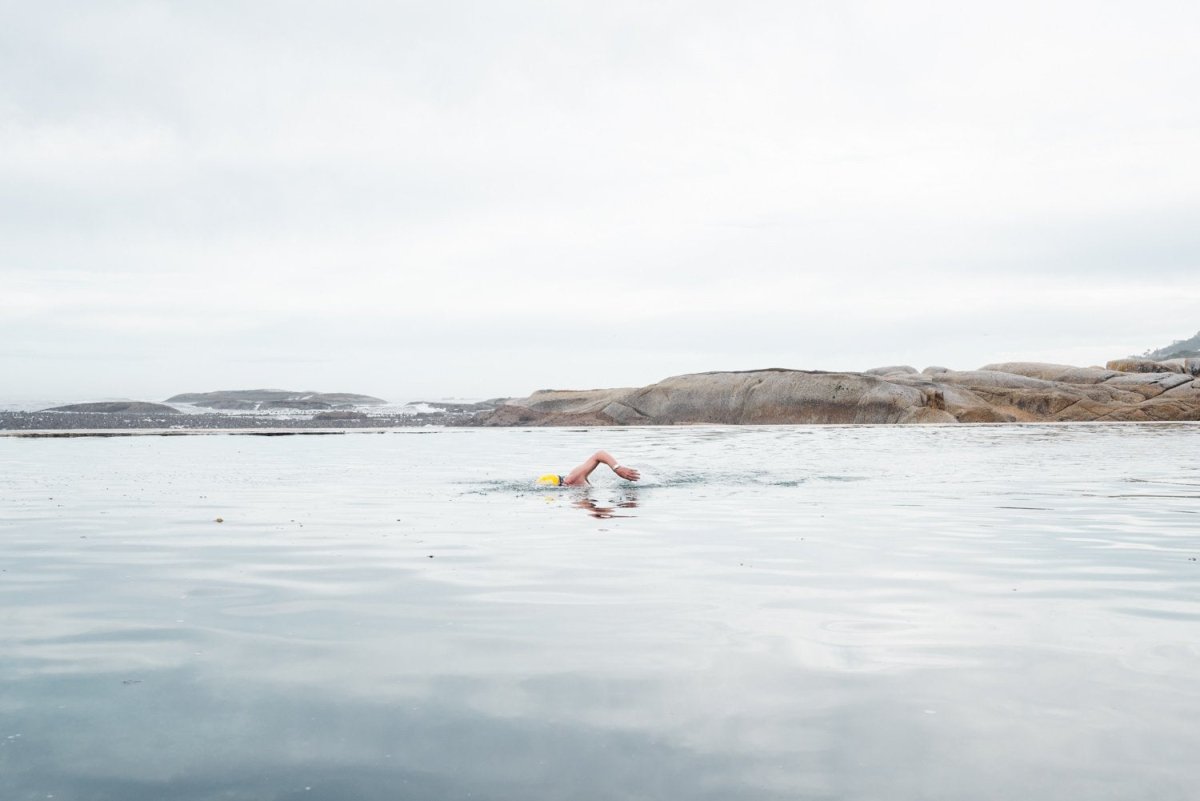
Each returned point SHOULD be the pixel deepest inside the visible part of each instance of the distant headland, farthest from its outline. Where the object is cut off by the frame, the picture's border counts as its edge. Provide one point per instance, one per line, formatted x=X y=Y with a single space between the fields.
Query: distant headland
x=247 y=400
x=1134 y=389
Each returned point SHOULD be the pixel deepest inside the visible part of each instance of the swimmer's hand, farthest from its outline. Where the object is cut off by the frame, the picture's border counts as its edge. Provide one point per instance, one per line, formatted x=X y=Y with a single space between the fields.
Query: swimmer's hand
x=628 y=473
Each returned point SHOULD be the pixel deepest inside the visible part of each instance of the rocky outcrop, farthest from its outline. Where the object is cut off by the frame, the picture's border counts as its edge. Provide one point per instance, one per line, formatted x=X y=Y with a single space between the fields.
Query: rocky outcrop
x=996 y=393
x=1052 y=372
x=513 y=415
x=114 y=407
x=1191 y=365
x=895 y=369
x=247 y=400
x=573 y=401
x=776 y=395
x=1133 y=365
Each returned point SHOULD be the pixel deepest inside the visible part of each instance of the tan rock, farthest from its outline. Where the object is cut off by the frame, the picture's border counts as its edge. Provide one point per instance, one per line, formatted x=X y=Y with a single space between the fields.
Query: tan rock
x=967 y=407
x=898 y=369
x=572 y=401
x=512 y=415
x=1148 y=385
x=1144 y=366
x=775 y=396
x=994 y=379
x=1054 y=372
x=1172 y=405
x=1000 y=393
x=1190 y=366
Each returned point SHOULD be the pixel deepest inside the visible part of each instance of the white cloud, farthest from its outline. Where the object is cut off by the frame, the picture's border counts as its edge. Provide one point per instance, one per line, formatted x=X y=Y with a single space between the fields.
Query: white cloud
x=652 y=188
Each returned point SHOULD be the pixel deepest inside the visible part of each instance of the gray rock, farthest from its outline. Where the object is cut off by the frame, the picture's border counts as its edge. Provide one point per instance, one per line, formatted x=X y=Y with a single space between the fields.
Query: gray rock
x=893 y=370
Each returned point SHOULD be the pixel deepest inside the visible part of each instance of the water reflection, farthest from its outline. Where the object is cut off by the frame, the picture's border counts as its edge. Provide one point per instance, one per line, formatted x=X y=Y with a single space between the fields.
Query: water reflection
x=596 y=509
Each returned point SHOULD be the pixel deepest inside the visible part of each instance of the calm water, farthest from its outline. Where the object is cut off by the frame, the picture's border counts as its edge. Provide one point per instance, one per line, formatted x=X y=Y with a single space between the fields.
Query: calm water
x=798 y=612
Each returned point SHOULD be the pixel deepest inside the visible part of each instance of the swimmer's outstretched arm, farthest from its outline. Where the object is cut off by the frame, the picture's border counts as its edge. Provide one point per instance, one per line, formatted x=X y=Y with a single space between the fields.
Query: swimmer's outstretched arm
x=580 y=474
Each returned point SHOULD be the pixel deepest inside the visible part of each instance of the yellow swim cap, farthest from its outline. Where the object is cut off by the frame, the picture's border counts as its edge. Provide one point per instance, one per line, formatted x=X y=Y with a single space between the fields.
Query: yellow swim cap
x=550 y=478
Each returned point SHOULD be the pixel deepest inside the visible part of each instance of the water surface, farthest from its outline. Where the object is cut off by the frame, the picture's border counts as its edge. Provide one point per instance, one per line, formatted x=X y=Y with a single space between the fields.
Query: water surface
x=834 y=612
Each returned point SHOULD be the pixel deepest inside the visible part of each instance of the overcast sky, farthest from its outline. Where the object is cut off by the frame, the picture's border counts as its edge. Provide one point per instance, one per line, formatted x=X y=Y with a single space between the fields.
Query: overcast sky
x=482 y=199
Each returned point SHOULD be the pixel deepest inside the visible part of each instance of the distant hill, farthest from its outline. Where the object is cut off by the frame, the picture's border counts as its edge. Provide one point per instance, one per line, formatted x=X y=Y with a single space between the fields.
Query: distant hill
x=257 y=399
x=111 y=407
x=1182 y=349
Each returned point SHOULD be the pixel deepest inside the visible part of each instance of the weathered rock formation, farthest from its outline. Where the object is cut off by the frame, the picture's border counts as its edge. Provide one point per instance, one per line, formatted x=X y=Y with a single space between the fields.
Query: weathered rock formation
x=112 y=407
x=996 y=393
x=1142 y=365
x=246 y=400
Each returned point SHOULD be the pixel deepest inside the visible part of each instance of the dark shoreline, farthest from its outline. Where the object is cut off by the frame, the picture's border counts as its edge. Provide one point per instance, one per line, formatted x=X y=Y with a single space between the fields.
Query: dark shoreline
x=115 y=423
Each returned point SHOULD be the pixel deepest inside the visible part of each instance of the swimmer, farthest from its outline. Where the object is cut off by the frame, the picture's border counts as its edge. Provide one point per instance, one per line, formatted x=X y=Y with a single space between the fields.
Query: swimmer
x=579 y=476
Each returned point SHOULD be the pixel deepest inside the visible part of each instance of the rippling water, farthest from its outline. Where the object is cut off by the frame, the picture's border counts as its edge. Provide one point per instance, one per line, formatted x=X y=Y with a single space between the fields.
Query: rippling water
x=994 y=612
